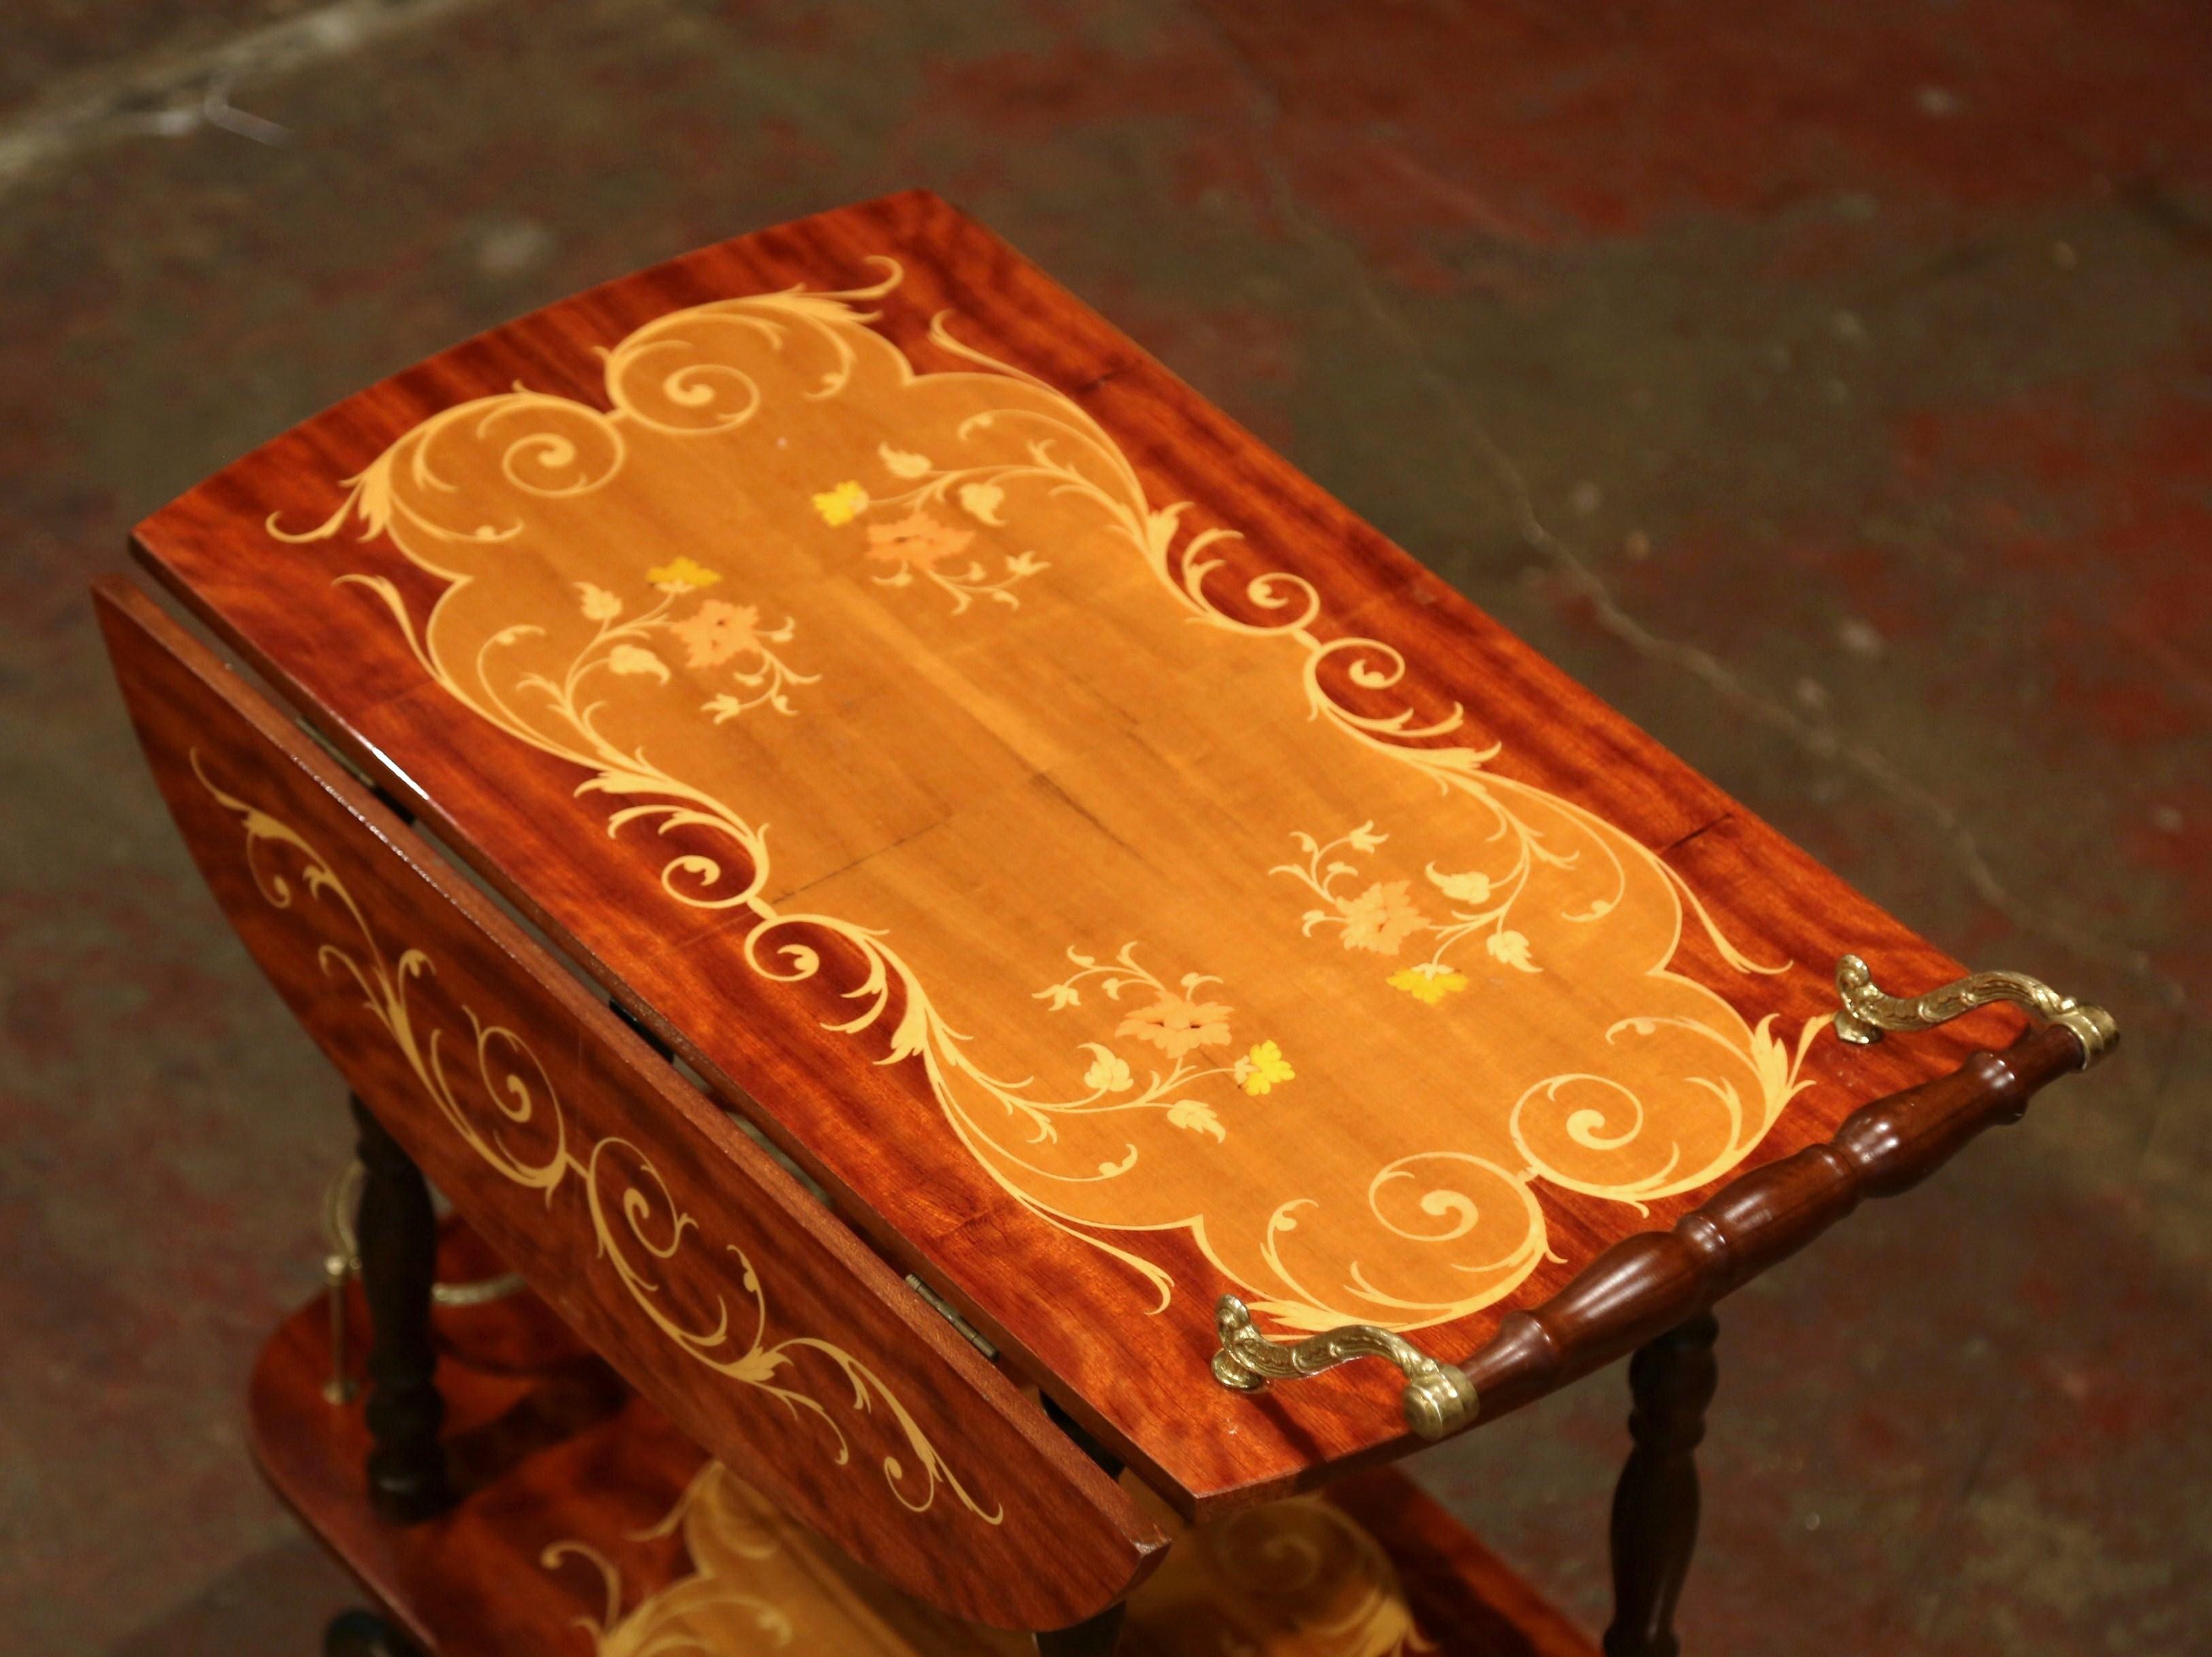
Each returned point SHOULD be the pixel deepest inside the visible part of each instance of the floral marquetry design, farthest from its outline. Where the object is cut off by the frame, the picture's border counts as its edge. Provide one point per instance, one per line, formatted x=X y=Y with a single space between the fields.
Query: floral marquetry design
x=1383 y=916
x=715 y=634
x=1178 y=1023
x=1029 y=705
x=923 y=542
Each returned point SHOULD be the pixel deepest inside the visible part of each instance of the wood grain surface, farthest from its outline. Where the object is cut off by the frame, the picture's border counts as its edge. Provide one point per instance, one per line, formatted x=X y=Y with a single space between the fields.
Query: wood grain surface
x=668 y=1237
x=587 y=1525
x=495 y=600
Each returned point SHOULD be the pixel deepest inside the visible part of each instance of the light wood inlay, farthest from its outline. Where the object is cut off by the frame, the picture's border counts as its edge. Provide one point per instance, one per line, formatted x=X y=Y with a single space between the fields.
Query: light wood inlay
x=1300 y=1578
x=822 y=658
x=668 y=1237
x=1120 y=855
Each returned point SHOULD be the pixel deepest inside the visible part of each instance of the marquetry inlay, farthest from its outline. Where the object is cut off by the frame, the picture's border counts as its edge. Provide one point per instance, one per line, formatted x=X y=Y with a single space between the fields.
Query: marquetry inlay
x=1087 y=807
x=1299 y=1578
x=490 y=1090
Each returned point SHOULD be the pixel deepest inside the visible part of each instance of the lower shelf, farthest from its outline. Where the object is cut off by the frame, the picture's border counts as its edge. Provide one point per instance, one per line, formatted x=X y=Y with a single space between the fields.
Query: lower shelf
x=589 y=1527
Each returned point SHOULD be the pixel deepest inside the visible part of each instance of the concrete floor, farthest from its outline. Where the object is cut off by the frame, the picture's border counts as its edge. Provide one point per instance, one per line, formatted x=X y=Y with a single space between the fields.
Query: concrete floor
x=1831 y=388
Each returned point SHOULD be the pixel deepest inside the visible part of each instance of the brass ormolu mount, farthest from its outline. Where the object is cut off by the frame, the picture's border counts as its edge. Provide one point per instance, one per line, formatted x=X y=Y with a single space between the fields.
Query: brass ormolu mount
x=1440 y=1398
x=1867 y=1010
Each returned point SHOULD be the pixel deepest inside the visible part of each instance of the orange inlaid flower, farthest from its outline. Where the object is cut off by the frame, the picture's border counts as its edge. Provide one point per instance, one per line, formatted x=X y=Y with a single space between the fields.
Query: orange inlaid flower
x=1175 y=1024
x=717 y=631
x=1379 y=918
x=917 y=538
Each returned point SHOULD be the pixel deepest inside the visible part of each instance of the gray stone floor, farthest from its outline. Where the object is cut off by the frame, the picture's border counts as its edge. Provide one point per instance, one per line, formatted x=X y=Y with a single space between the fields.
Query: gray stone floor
x=1830 y=391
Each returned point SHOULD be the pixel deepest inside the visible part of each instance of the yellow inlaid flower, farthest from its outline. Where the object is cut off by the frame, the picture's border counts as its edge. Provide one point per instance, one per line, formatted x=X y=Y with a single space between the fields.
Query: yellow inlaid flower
x=681 y=575
x=1262 y=1068
x=842 y=504
x=1429 y=983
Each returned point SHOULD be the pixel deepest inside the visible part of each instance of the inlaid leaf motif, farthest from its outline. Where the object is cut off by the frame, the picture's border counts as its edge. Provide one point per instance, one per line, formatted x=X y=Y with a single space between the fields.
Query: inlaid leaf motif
x=981 y=502
x=635 y=658
x=1472 y=887
x=1512 y=948
x=903 y=463
x=1197 y=1117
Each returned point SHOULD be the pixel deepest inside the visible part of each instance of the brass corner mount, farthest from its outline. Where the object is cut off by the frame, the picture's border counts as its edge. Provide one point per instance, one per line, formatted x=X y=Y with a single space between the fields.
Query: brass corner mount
x=1868 y=1012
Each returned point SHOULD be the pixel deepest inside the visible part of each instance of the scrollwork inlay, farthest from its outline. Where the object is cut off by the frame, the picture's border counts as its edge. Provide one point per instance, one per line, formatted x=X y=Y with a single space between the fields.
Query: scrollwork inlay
x=636 y=1224
x=943 y=523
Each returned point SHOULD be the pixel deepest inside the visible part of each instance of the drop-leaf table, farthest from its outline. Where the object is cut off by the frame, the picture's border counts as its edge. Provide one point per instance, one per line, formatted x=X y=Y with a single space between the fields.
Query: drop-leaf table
x=979 y=940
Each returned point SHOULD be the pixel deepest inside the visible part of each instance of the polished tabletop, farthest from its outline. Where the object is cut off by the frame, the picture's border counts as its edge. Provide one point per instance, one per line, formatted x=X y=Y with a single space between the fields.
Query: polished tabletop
x=1114 y=871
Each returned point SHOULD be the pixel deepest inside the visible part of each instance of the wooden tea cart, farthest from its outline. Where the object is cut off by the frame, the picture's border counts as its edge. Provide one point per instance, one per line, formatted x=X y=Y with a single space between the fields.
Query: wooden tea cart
x=974 y=940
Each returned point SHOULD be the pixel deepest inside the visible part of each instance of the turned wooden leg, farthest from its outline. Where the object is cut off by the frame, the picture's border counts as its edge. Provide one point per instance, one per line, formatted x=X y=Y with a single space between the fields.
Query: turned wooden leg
x=1655 y=1507
x=398 y=1232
